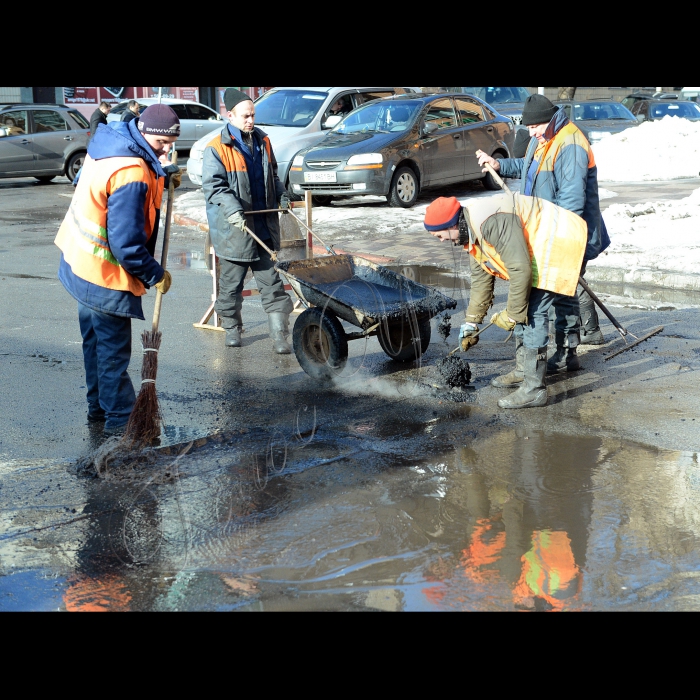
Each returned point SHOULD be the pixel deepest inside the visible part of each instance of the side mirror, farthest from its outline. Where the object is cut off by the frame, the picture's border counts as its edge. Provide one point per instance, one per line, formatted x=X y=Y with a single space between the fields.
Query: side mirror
x=429 y=129
x=332 y=121
x=4 y=132
x=641 y=118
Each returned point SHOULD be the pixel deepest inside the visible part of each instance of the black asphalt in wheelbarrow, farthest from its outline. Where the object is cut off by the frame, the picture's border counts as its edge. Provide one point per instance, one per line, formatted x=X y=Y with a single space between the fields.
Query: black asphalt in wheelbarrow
x=377 y=300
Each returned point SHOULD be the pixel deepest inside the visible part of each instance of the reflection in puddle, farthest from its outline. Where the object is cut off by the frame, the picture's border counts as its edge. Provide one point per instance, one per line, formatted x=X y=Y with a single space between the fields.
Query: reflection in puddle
x=409 y=520
x=187 y=259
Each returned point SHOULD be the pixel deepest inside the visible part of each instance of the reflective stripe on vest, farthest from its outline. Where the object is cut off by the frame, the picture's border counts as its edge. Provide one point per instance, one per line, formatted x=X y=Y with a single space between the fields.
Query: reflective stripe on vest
x=83 y=237
x=556 y=239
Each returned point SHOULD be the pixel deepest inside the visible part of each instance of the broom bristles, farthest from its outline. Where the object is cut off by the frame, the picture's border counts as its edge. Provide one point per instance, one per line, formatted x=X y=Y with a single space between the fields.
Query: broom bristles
x=145 y=420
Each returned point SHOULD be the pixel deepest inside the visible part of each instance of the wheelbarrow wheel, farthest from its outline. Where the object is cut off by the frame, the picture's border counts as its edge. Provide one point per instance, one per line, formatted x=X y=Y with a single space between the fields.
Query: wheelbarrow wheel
x=397 y=339
x=320 y=345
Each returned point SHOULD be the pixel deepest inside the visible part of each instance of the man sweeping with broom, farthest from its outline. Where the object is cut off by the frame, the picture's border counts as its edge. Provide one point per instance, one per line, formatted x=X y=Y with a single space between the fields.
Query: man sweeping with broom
x=107 y=243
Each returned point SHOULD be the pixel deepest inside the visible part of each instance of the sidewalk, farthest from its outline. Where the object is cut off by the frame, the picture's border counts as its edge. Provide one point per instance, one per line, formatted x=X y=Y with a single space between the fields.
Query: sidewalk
x=653 y=226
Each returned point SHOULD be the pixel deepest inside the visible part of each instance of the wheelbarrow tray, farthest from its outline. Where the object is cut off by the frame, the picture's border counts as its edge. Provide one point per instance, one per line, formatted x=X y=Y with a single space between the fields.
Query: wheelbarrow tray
x=362 y=292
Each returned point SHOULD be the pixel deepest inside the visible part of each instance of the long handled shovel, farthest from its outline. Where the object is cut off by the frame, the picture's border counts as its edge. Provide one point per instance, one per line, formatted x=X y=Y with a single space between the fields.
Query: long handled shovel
x=145 y=421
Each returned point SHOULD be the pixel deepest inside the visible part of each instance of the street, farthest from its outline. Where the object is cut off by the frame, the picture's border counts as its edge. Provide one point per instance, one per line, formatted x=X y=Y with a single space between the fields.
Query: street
x=381 y=491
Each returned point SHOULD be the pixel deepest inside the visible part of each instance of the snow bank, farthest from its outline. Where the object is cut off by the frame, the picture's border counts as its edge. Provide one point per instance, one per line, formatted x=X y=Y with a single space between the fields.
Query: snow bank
x=665 y=150
x=662 y=236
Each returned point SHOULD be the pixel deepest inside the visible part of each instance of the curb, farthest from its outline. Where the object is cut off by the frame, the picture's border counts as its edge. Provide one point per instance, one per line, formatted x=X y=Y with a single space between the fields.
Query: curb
x=644 y=278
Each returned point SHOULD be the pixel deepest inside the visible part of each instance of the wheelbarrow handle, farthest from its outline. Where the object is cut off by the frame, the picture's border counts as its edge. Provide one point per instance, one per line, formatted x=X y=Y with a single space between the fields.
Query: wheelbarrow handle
x=289 y=211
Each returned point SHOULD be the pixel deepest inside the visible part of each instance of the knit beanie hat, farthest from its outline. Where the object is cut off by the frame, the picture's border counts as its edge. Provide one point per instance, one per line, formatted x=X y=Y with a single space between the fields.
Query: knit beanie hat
x=442 y=214
x=160 y=120
x=232 y=97
x=538 y=110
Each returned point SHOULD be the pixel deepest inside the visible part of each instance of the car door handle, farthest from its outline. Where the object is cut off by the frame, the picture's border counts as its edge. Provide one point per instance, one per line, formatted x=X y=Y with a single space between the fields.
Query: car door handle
x=489 y=128
x=25 y=141
x=67 y=138
x=457 y=136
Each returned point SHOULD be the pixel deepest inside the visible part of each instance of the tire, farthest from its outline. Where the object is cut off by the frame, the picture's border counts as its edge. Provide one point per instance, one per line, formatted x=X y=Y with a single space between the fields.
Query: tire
x=397 y=338
x=45 y=179
x=404 y=188
x=320 y=345
x=322 y=200
x=74 y=164
x=489 y=182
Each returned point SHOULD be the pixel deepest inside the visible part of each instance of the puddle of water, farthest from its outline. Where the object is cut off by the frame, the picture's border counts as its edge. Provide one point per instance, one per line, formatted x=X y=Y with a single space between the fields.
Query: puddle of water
x=187 y=260
x=434 y=519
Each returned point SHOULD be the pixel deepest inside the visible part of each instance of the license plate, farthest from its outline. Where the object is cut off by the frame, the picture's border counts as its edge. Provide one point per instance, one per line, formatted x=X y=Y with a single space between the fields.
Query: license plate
x=320 y=177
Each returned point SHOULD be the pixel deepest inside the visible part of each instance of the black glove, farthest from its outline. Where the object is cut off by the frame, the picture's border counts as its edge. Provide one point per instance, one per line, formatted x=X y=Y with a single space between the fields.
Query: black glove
x=285 y=201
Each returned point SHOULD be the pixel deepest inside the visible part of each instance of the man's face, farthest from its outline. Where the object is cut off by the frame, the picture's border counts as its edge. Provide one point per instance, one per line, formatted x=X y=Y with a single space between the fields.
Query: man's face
x=161 y=145
x=537 y=131
x=106 y=110
x=450 y=234
x=338 y=106
x=135 y=109
x=243 y=116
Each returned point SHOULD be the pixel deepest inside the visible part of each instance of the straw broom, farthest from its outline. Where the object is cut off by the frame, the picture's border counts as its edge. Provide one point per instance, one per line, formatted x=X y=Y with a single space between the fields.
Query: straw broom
x=146 y=418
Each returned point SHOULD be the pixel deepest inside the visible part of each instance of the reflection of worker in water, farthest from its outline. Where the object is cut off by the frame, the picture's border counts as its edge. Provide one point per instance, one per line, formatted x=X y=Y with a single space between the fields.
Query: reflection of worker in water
x=528 y=542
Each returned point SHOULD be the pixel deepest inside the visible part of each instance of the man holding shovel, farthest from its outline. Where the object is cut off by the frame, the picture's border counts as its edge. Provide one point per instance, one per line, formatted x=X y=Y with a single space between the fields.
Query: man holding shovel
x=559 y=167
x=240 y=175
x=107 y=243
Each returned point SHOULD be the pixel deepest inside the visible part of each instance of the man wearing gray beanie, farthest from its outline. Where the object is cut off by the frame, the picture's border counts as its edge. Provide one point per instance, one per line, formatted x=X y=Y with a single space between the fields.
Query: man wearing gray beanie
x=239 y=175
x=559 y=167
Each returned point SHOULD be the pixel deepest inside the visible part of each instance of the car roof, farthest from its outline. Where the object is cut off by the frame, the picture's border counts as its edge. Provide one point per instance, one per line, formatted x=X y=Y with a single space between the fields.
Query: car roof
x=15 y=105
x=329 y=89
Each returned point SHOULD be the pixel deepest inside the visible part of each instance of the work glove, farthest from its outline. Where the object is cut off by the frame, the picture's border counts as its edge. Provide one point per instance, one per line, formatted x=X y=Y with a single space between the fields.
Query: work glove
x=238 y=220
x=174 y=174
x=467 y=336
x=502 y=320
x=164 y=285
x=285 y=201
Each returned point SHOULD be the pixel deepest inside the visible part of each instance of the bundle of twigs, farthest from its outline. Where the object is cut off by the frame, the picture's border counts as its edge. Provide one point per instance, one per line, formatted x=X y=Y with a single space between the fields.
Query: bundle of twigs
x=145 y=421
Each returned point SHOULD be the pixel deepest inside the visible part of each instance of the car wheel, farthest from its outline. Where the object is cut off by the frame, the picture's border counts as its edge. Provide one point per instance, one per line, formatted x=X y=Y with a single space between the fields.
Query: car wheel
x=74 y=164
x=404 y=188
x=322 y=200
x=489 y=182
x=45 y=179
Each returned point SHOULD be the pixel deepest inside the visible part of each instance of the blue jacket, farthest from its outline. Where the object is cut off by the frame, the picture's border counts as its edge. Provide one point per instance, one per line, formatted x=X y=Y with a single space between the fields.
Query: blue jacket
x=128 y=241
x=567 y=176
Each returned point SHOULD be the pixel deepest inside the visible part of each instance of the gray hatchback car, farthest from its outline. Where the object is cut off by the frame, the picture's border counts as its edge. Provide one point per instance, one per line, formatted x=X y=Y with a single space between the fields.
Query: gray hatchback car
x=42 y=141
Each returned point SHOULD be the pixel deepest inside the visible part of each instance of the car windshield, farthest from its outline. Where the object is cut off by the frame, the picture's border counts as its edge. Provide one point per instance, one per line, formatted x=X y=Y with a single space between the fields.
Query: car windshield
x=294 y=108
x=498 y=95
x=380 y=117
x=687 y=110
x=597 y=111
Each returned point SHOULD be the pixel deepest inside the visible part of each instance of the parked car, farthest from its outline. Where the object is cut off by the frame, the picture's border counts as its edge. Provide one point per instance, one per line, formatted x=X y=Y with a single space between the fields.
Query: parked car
x=598 y=118
x=653 y=110
x=400 y=146
x=42 y=141
x=692 y=94
x=632 y=99
x=508 y=101
x=196 y=120
x=296 y=118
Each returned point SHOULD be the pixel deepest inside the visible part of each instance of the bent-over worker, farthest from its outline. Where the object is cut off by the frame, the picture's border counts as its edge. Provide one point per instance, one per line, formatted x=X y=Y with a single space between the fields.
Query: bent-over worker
x=240 y=175
x=107 y=243
x=539 y=248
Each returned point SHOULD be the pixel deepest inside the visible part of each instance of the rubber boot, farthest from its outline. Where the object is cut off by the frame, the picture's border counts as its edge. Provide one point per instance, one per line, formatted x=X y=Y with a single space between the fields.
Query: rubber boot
x=590 y=325
x=565 y=358
x=234 y=328
x=533 y=392
x=279 y=332
x=513 y=379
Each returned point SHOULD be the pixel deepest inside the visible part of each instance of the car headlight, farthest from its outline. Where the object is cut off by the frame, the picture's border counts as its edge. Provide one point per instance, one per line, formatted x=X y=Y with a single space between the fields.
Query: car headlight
x=365 y=161
x=598 y=135
x=298 y=161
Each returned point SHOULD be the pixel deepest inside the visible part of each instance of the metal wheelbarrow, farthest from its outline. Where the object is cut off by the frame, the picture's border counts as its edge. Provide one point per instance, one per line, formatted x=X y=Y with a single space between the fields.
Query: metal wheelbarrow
x=377 y=300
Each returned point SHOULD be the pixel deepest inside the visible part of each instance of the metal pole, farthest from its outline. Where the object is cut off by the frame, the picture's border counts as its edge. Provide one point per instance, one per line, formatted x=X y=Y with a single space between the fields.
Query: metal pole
x=160 y=95
x=540 y=91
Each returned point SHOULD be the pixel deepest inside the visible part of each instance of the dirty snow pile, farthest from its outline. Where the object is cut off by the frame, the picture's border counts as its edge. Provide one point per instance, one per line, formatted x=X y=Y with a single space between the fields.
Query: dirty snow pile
x=665 y=150
x=661 y=236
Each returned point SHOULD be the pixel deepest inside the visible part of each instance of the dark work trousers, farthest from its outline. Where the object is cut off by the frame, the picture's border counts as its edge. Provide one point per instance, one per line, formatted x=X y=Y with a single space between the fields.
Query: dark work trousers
x=565 y=324
x=535 y=333
x=106 y=354
x=232 y=278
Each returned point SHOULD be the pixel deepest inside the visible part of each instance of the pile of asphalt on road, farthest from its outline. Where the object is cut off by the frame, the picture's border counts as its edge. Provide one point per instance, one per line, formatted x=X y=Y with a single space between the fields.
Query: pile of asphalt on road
x=455 y=372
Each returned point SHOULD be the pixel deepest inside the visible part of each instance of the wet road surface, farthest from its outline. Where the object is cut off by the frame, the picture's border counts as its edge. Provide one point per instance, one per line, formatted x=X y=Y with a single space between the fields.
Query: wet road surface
x=382 y=491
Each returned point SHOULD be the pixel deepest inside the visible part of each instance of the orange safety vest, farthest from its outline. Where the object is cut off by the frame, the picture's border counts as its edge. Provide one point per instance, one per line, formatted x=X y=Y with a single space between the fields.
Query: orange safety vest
x=83 y=237
x=556 y=239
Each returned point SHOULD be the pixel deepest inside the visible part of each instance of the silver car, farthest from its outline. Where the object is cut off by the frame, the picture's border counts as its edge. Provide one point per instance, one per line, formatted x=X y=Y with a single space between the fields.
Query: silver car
x=196 y=120
x=42 y=141
x=296 y=118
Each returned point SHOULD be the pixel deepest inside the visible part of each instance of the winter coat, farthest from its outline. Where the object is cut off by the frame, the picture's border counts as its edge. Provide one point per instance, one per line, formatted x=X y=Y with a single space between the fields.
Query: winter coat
x=108 y=236
x=98 y=117
x=567 y=175
x=129 y=115
x=227 y=190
